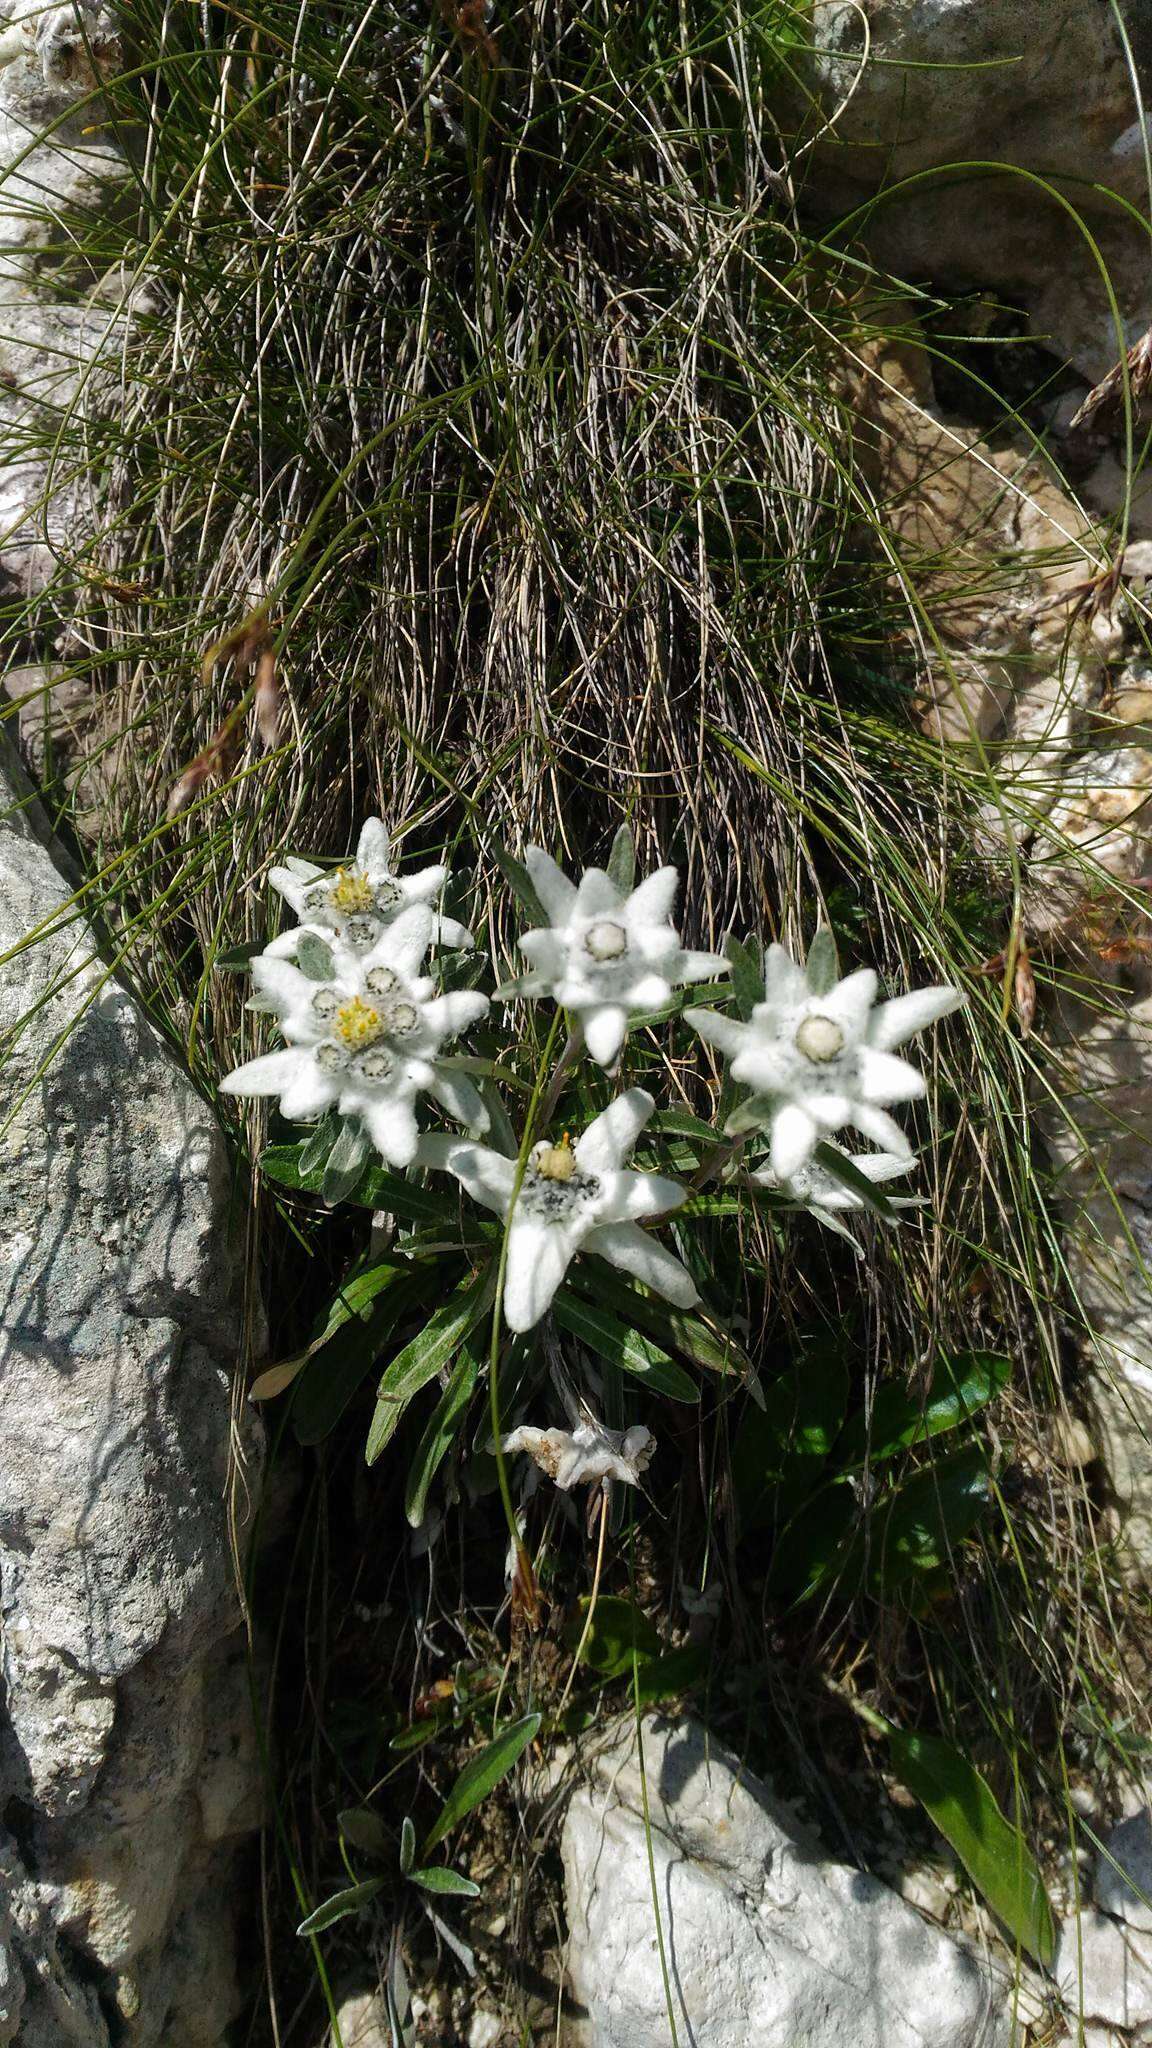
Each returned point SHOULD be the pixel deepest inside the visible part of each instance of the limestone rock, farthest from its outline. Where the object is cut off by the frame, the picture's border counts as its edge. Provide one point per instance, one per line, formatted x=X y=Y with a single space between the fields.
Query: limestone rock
x=766 y=1940
x=912 y=86
x=1123 y=1885
x=125 y=1740
x=1104 y=1971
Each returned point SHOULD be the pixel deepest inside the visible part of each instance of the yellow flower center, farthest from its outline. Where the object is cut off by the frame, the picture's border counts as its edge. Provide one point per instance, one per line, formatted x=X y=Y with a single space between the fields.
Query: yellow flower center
x=351 y=891
x=357 y=1024
x=556 y=1162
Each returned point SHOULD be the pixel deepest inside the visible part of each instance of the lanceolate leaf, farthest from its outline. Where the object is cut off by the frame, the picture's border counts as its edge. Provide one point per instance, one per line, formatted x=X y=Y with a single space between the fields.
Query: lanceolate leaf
x=376 y=1189
x=341 y=1363
x=822 y=966
x=365 y=1830
x=448 y=1883
x=927 y=1517
x=622 y=860
x=898 y=1419
x=993 y=1851
x=478 y=1778
x=443 y=1425
x=841 y=1168
x=746 y=958
x=422 y=1359
x=675 y=1328
x=340 y=1904
x=618 y=1629
x=629 y=1349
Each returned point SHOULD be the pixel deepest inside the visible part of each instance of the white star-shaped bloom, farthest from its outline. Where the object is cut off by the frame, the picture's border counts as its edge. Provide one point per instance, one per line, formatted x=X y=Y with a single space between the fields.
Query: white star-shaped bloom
x=573 y=1198
x=607 y=955
x=813 y=1187
x=816 y=1060
x=588 y=1454
x=365 y=1040
x=359 y=901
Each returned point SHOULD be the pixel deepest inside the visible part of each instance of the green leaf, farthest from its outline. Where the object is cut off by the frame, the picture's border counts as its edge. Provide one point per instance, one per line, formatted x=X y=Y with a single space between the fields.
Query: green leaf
x=341 y=1903
x=520 y=882
x=365 y=1830
x=778 y=1455
x=341 y=1363
x=420 y=1361
x=628 y=1349
x=314 y=957
x=992 y=1850
x=443 y=1425
x=662 y=1678
x=407 y=1845
x=746 y=959
x=315 y=1150
x=822 y=966
x=680 y=1123
x=675 y=1328
x=816 y=1545
x=960 y=1387
x=448 y=1883
x=237 y=959
x=618 y=1629
x=622 y=860
x=478 y=1778
x=841 y=1168
x=927 y=1517
x=345 y=1164
x=376 y=1189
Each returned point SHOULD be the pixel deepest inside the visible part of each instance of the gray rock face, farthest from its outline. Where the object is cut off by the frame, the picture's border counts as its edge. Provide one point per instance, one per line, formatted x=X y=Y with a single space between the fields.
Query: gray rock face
x=126 y=1755
x=916 y=85
x=1123 y=1885
x=766 y=1941
x=1104 y=1971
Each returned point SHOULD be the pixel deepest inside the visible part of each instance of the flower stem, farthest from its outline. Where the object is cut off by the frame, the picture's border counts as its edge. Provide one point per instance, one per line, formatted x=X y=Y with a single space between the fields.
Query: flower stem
x=591 y=1614
x=523 y=1562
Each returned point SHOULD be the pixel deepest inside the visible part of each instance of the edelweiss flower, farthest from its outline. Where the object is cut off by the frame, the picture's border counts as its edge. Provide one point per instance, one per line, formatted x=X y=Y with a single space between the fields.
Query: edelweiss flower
x=826 y=1197
x=357 y=902
x=573 y=1198
x=590 y=1452
x=816 y=1059
x=364 y=1040
x=605 y=955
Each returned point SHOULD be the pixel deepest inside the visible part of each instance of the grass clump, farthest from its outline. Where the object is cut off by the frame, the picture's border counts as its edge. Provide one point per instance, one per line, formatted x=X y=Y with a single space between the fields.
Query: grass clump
x=491 y=399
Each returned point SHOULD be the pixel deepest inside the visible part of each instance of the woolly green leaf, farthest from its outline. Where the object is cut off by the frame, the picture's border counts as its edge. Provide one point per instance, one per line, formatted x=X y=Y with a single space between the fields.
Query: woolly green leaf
x=314 y=957
x=676 y=1329
x=478 y=1778
x=340 y=1904
x=822 y=967
x=622 y=860
x=365 y=1830
x=376 y=1189
x=315 y=1151
x=841 y=1168
x=448 y=1883
x=746 y=959
x=628 y=1349
x=420 y=1361
x=443 y=1426
x=992 y=1850
x=237 y=959
x=520 y=882
x=342 y=1362
x=407 y=1845
x=346 y=1163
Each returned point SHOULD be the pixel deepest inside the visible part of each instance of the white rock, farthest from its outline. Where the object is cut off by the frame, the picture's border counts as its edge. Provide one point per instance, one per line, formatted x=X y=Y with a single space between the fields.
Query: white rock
x=125 y=1739
x=1126 y=1892
x=992 y=81
x=767 y=1942
x=1104 y=1970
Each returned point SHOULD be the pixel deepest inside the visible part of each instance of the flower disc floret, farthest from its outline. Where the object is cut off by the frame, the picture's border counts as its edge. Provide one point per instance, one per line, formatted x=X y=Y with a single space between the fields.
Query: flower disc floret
x=608 y=955
x=357 y=902
x=594 y=1204
x=817 y=1058
x=367 y=1041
